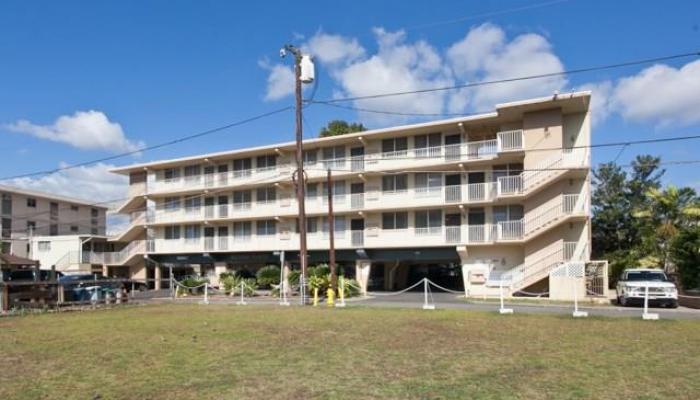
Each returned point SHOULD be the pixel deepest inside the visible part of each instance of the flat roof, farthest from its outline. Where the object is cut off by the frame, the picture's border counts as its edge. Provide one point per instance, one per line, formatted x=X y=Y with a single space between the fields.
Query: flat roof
x=49 y=196
x=569 y=102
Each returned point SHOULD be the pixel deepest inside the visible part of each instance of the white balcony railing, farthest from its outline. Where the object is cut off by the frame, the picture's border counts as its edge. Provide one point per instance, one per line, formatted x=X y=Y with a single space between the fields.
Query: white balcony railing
x=505 y=141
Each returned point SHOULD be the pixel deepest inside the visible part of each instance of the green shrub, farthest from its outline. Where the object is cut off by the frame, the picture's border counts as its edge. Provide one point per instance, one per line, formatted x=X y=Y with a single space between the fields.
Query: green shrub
x=268 y=275
x=232 y=285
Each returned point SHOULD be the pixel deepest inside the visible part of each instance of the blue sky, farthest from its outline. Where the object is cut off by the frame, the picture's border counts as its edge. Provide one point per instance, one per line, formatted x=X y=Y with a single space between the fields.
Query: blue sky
x=70 y=71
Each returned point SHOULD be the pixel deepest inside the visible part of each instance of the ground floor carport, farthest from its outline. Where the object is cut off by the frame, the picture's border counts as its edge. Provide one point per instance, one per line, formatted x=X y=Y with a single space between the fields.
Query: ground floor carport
x=374 y=269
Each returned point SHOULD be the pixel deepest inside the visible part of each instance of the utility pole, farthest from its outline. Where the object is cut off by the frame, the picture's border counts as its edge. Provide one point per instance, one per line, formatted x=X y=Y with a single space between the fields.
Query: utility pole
x=331 y=233
x=300 y=180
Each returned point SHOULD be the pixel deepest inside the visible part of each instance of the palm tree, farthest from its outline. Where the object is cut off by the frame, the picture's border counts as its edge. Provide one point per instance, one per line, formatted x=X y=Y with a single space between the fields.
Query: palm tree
x=665 y=213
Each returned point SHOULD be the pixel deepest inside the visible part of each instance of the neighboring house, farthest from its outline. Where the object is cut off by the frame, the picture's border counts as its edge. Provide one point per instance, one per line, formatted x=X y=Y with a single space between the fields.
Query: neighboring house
x=70 y=253
x=468 y=202
x=27 y=214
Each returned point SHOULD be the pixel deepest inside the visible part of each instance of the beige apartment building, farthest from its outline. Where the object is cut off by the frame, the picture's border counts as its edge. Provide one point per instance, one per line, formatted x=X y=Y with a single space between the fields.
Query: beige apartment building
x=36 y=224
x=470 y=202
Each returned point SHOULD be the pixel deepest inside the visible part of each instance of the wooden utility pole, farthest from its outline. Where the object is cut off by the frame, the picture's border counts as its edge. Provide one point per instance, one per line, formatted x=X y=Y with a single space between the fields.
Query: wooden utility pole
x=299 y=175
x=331 y=235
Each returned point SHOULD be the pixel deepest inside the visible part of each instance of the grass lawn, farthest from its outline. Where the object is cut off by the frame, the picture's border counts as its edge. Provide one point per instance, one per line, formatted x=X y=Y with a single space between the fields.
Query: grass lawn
x=215 y=352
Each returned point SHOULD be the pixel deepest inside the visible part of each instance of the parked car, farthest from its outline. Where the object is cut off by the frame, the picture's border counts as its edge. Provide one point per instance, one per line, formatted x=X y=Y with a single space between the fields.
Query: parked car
x=75 y=286
x=633 y=283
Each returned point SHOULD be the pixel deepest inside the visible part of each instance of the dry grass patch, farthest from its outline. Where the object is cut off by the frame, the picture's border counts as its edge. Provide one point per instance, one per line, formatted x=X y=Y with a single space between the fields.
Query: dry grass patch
x=212 y=352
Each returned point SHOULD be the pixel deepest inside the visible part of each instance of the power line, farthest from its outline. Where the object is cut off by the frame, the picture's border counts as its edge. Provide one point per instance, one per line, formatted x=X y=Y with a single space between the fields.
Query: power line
x=516 y=79
x=485 y=15
x=153 y=147
x=362 y=109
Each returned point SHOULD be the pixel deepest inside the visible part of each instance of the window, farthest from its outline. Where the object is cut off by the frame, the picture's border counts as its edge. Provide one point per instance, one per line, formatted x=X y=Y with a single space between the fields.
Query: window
x=266 y=227
x=266 y=162
x=192 y=232
x=241 y=198
x=310 y=157
x=429 y=220
x=242 y=167
x=242 y=229
x=193 y=204
x=171 y=174
x=395 y=220
x=94 y=213
x=53 y=230
x=6 y=227
x=266 y=194
x=333 y=157
x=424 y=142
x=74 y=208
x=53 y=210
x=395 y=146
x=507 y=213
x=428 y=182
x=311 y=190
x=6 y=204
x=31 y=202
x=172 y=232
x=31 y=227
x=192 y=172
x=394 y=183
x=339 y=224
x=338 y=189
x=507 y=170
x=44 y=246
x=311 y=225
x=74 y=229
x=172 y=203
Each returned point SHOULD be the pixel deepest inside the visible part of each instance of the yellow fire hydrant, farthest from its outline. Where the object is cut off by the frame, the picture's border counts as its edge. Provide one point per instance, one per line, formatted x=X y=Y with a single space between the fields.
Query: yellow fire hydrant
x=315 y=297
x=330 y=297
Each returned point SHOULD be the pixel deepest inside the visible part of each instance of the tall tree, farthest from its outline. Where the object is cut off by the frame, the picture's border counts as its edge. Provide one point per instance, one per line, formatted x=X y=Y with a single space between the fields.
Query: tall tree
x=685 y=252
x=340 y=127
x=664 y=214
x=611 y=210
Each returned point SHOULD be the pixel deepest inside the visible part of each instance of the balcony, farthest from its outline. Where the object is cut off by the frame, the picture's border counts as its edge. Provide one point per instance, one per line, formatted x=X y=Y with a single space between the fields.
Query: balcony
x=507 y=141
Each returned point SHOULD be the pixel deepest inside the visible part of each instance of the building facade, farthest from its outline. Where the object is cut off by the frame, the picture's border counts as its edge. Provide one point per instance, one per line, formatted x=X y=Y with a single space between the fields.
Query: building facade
x=27 y=214
x=468 y=202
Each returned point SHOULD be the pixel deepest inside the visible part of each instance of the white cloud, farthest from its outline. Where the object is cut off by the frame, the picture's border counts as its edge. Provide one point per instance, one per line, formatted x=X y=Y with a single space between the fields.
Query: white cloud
x=92 y=183
x=660 y=94
x=601 y=106
x=87 y=130
x=485 y=54
x=332 y=49
x=280 y=81
x=396 y=67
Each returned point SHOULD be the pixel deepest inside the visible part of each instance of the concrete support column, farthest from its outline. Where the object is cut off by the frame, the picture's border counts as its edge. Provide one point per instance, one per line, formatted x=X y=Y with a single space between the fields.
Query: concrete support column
x=157 y=276
x=362 y=270
x=219 y=268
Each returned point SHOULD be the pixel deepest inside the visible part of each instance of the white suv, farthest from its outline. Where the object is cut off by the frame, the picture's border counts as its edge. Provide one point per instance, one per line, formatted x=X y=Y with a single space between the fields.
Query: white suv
x=633 y=283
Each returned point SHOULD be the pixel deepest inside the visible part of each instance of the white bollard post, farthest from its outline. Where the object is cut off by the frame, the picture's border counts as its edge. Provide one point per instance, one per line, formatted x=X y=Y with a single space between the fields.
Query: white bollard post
x=577 y=313
x=283 y=294
x=426 y=306
x=242 y=301
x=647 y=315
x=206 y=294
x=503 y=310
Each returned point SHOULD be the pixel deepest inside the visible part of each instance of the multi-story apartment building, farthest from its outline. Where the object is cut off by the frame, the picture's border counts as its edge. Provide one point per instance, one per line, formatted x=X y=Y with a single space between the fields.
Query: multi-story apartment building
x=27 y=213
x=505 y=193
